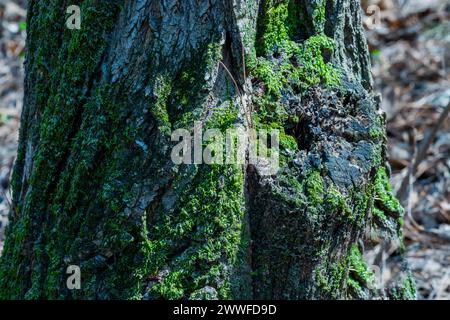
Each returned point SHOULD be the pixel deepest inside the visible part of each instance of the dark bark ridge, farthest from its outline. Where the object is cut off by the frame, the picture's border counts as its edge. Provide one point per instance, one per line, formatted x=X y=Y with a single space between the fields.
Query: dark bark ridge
x=94 y=185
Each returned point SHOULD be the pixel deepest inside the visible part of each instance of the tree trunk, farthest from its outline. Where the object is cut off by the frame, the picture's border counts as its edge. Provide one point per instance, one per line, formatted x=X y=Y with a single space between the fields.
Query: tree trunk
x=94 y=184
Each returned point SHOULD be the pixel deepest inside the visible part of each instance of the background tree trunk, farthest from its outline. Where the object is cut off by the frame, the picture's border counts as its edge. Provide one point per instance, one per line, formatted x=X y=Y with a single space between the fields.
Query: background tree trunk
x=94 y=184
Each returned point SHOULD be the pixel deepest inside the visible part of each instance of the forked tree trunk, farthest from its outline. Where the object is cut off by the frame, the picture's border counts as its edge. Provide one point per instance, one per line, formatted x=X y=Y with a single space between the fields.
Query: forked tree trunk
x=94 y=184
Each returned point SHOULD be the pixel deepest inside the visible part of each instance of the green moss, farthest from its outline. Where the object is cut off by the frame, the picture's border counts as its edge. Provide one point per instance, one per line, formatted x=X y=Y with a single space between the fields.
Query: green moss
x=224 y=118
x=359 y=271
x=199 y=237
x=337 y=202
x=59 y=90
x=276 y=31
x=313 y=69
x=386 y=206
x=363 y=202
x=172 y=287
x=315 y=188
x=273 y=31
x=376 y=133
x=207 y=213
x=319 y=13
x=291 y=60
x=351 y=271
x=159 y=110
x=331 y=278
x=185 y=102
x=94 y=127
x=409 y=287
x=271 y=75
x=287 y=67
x=210 y=220
x=287 y=142
x=406 y=290
x=384 y=193
x=213 y=54
x=308 y=69
x=302 y=64
x=379 y=214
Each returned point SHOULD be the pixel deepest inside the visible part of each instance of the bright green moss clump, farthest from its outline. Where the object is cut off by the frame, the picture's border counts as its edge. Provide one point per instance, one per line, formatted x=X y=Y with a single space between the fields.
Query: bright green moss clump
x=315 y=188
x=387 y=209
x=337 y=202
x=313 y=69
x=384 y=193
x=276 y=31
x=303 y=65
x=360 y=275
x=286 y=66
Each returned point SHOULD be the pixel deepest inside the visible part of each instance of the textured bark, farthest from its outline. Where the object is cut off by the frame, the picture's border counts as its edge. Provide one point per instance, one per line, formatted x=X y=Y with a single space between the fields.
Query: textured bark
x=94 y=184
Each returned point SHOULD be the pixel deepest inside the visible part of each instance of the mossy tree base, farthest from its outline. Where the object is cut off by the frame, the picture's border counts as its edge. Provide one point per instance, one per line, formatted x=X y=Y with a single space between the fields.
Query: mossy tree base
x=94 y=184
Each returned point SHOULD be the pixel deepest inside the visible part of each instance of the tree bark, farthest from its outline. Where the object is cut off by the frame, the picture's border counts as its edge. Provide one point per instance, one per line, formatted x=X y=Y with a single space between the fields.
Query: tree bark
x=94 y=184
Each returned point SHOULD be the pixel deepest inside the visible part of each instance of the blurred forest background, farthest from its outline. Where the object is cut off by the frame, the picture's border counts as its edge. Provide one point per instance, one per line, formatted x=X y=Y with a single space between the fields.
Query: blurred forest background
x=410 y=45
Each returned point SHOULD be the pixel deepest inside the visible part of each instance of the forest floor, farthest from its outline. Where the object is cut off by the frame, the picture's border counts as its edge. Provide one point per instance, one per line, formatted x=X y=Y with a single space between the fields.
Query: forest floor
x=411 y=60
